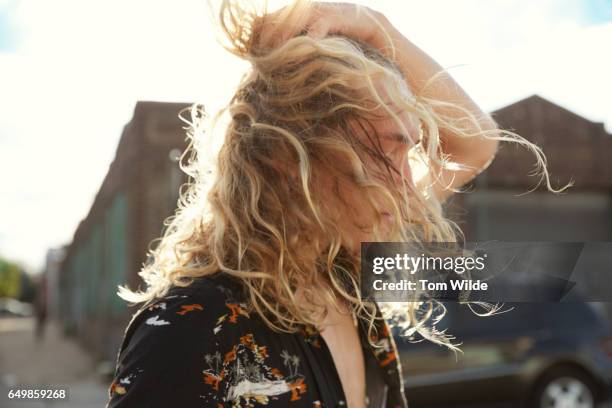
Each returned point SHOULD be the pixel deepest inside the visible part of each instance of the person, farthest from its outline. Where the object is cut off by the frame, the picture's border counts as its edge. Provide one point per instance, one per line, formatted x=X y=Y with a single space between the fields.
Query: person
x=343 y=131
x=40 y=308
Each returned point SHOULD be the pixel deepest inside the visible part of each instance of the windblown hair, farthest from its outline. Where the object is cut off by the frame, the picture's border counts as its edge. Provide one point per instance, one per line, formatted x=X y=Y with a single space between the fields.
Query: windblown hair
x=261 y=213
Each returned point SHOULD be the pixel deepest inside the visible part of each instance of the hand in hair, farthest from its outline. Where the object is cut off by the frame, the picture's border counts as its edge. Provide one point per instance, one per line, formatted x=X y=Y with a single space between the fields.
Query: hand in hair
x=322 y=19
x=318 y=20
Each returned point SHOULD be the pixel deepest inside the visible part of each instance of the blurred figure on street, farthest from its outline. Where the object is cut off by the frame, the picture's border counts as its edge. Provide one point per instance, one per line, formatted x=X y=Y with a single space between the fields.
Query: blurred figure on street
x=40 y=308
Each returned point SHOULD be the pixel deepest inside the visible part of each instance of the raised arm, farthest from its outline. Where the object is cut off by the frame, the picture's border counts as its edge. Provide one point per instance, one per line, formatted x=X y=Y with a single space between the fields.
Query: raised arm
x=476 y=153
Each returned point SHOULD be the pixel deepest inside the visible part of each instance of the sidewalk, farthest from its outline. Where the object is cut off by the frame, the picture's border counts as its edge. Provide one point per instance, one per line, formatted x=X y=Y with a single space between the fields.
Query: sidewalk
x=55 y=361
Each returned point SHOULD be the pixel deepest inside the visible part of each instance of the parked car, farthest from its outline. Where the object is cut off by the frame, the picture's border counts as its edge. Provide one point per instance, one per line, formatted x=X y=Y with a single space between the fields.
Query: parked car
x=535 y=355
x=14 y=308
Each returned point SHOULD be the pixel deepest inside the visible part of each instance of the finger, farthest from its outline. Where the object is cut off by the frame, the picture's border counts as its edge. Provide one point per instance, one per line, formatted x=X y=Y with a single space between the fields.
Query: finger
x=316 y=25
x=319 y=29
x=277 y=35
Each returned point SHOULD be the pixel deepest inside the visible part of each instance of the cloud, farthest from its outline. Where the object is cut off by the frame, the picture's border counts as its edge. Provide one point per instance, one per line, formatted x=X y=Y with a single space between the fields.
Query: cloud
x=70 y=89
x=502 y=53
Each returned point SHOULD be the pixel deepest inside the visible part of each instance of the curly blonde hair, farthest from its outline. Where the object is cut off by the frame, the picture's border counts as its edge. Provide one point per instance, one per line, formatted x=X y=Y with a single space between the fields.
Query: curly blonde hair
x=262 y=215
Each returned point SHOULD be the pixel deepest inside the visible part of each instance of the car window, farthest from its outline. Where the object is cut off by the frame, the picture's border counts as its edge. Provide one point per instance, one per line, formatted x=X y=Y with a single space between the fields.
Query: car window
x=569 y=315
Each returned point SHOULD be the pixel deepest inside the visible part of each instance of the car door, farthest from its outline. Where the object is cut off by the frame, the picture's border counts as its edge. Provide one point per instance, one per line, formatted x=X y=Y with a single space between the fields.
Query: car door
x=488 y=367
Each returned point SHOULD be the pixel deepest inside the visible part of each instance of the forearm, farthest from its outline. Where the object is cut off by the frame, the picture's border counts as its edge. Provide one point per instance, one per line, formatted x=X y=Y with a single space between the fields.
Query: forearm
x=417 y=68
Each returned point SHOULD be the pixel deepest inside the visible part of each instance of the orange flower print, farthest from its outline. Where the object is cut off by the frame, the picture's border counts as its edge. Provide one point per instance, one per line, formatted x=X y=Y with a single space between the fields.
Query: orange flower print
x=276 y=373
x=189 y=308
x=247 y=340
x=236 y=310
x=297 y=387
x=311 y=335
x=120 y=386
x=230 y=356
x=390 y=357
x=212 y=380
x=214 y=374
x=116 y=388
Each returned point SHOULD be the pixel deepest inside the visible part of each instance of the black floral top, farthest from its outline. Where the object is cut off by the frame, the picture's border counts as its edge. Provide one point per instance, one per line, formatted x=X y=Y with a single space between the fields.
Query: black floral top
x=198 y=347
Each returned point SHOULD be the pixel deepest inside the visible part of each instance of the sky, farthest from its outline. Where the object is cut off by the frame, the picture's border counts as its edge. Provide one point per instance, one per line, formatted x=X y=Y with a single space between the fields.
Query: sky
x=71 y=72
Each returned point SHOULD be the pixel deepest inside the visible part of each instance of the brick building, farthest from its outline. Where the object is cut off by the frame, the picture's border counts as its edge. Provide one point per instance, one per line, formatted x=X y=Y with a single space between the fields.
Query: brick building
x=576 y=149
x=109 y=246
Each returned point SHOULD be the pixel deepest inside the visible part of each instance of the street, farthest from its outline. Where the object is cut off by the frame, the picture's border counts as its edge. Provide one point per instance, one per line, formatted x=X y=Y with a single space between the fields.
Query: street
x=54 y=361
